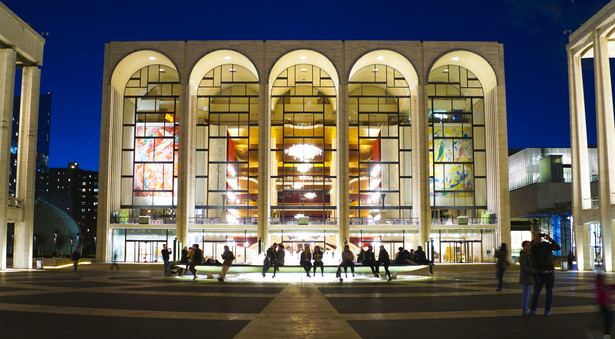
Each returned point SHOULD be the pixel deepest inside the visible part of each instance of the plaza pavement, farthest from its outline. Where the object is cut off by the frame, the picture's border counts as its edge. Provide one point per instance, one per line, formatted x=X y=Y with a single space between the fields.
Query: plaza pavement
x=457 y=301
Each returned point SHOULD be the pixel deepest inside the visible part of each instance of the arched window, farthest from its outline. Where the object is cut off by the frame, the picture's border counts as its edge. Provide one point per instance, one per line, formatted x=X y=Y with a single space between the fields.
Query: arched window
x=303 y=145
x=150 y=138
x=227 y=144
x=457 y=174
x=380 y=144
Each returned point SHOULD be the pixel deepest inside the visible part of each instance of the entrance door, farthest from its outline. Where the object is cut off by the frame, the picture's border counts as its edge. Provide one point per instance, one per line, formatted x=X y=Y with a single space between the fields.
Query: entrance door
x=144 y=251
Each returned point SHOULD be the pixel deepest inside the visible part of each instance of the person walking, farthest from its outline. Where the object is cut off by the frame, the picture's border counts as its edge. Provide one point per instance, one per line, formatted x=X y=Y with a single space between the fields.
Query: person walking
x=347 y=260
x=279 y=258
x=385 y=260
x=165 y=258
x=269 y=259
x=603 y=300
x=570 y=259
x=369 y=259
x=75 y=258
x=318 y=261
x=542 y=254
x=197 y=259
x=526 y=275
x=227 y=258
x=501 y=263
x=114 y=262
x=306 y=260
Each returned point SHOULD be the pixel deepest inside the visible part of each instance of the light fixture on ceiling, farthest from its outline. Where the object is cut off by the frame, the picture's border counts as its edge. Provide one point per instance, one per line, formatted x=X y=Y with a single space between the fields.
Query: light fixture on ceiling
x=162 y=70
x=227 y=58
x=304 y=70
x=152 y=58
x=303 y=152
x=380 y=58
x=231 y=70
x=303 y=57
x=375 y=70
x=297 y=185
x=455 y=58
x=445 y=70
x=310 y=195
x=304 y=168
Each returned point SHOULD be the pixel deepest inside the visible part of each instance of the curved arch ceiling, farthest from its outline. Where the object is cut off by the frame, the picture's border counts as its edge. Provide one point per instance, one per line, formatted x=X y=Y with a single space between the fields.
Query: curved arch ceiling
x=473 y=62
x=134 y=62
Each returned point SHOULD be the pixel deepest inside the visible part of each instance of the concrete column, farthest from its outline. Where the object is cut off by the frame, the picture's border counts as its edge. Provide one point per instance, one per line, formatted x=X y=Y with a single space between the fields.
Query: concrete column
x=264 y=156
x=184 y=175
x=606 y=143
x=26 y=165
x=343 y=168
x=581 y=193
x=7 y=87
x=421 y=207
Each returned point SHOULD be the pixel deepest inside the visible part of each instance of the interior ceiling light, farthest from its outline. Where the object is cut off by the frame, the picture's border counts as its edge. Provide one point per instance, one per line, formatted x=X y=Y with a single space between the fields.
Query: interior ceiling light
x=303 y=152
x=162 y=70
x=303 y=168
x=375 y=70
x=310 y=195
x=152 y=58
x=455 y=58
x=297 y=185
x=304 y=70
x=303 y=57
x=231 y=70
x=380 y=58
x=227 y=58
x=445 y=71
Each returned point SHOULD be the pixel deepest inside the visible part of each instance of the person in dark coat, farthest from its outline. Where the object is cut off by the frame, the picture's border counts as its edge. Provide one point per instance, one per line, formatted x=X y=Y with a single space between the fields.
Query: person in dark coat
x=369 y=259
x=279 y=258
x=570 y=259
x=165 y=258
x=542 y=254
x=197 y=259
x=420 y=256
x=306 y=260
x=501 y=264
x=270 y=258
x=385 y=260
x=184 y=258
x=75 y=258
x=526 y=275
x=318 y=261
x=401 y=258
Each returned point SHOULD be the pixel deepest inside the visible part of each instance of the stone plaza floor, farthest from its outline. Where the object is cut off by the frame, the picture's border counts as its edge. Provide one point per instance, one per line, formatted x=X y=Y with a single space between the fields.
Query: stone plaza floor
x=139 y=302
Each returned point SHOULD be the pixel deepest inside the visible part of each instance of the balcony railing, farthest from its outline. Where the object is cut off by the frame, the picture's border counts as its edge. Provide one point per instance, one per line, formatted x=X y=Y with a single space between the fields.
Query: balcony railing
x=143 y=220
x=303 y=221
x=591 y=203
x=388 y=221
x=14 y=202
x=491 y=220
x=222 y=221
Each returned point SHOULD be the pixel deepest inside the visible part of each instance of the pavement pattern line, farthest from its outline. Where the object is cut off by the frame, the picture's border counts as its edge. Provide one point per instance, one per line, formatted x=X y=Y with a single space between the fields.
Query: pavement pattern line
x=299 y=311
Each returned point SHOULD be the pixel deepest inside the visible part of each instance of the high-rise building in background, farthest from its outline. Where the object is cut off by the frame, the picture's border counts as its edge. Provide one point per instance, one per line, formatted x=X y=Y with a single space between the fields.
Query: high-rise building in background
x=74 y=191
x=42 y=142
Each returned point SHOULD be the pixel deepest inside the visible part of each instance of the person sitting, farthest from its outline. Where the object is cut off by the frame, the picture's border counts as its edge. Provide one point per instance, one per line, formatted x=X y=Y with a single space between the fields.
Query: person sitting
x=347 y=260
x=420 y=257
x=369 y=259
x=401 y=257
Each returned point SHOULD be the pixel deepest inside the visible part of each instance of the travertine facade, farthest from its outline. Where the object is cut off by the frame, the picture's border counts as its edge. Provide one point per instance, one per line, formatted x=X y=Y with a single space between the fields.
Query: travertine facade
x=340 y=63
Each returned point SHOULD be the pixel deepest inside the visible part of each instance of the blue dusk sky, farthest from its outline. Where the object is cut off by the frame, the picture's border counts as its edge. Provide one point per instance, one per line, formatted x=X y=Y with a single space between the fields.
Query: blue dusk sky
x=532 y=32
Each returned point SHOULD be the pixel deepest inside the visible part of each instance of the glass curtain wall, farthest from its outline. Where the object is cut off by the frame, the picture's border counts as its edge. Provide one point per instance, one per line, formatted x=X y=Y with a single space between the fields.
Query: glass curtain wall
x=150 y=142
x=457 y=174
x=227 y=145
x=303 y=142
x=380 y=146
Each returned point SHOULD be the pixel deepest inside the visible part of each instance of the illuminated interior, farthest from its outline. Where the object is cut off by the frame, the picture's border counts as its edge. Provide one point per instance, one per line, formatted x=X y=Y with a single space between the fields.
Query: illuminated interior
x=457 y=176
x=150 y=138
x=303 y=144
x=227 y=144
x=380 y=143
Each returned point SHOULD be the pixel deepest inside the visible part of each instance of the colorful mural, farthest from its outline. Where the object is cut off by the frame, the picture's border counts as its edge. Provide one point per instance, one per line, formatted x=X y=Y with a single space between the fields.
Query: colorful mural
x=155 y=143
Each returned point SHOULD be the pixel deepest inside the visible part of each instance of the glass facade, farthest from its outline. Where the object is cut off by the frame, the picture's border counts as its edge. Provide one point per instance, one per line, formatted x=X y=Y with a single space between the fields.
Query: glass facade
x=150 y=139
x=457 y=172
x=227 y=145
x=303 y=145
x=380 y=150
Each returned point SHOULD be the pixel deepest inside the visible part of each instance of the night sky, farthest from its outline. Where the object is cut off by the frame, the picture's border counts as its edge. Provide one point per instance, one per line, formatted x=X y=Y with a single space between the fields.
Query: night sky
x=532 y=32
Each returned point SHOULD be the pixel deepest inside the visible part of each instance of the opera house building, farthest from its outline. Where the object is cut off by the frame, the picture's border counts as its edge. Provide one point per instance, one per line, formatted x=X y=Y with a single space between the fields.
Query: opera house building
x=328 y=143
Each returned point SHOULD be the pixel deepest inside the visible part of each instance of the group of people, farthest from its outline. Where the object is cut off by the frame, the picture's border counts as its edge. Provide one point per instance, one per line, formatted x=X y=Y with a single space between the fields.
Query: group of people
x=194 y=256
x=537 y=270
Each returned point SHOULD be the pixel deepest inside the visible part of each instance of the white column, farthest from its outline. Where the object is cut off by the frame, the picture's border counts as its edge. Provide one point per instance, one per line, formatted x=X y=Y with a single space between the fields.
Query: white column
x=26 y=165
x=421 y=207
x=343 y=170
x=7 y=86
x=606 y=143
x=581 y=193
x=264 y=154
x=184 y=178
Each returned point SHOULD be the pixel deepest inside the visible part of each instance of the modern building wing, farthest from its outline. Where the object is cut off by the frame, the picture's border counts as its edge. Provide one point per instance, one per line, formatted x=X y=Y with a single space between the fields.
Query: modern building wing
x=246 y=143
x=593 y=40
x=20 y=48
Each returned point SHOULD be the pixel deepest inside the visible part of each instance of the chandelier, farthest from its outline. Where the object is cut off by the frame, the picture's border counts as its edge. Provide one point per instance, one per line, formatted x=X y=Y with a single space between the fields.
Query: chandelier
x=303 y=168
x=303 y=152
